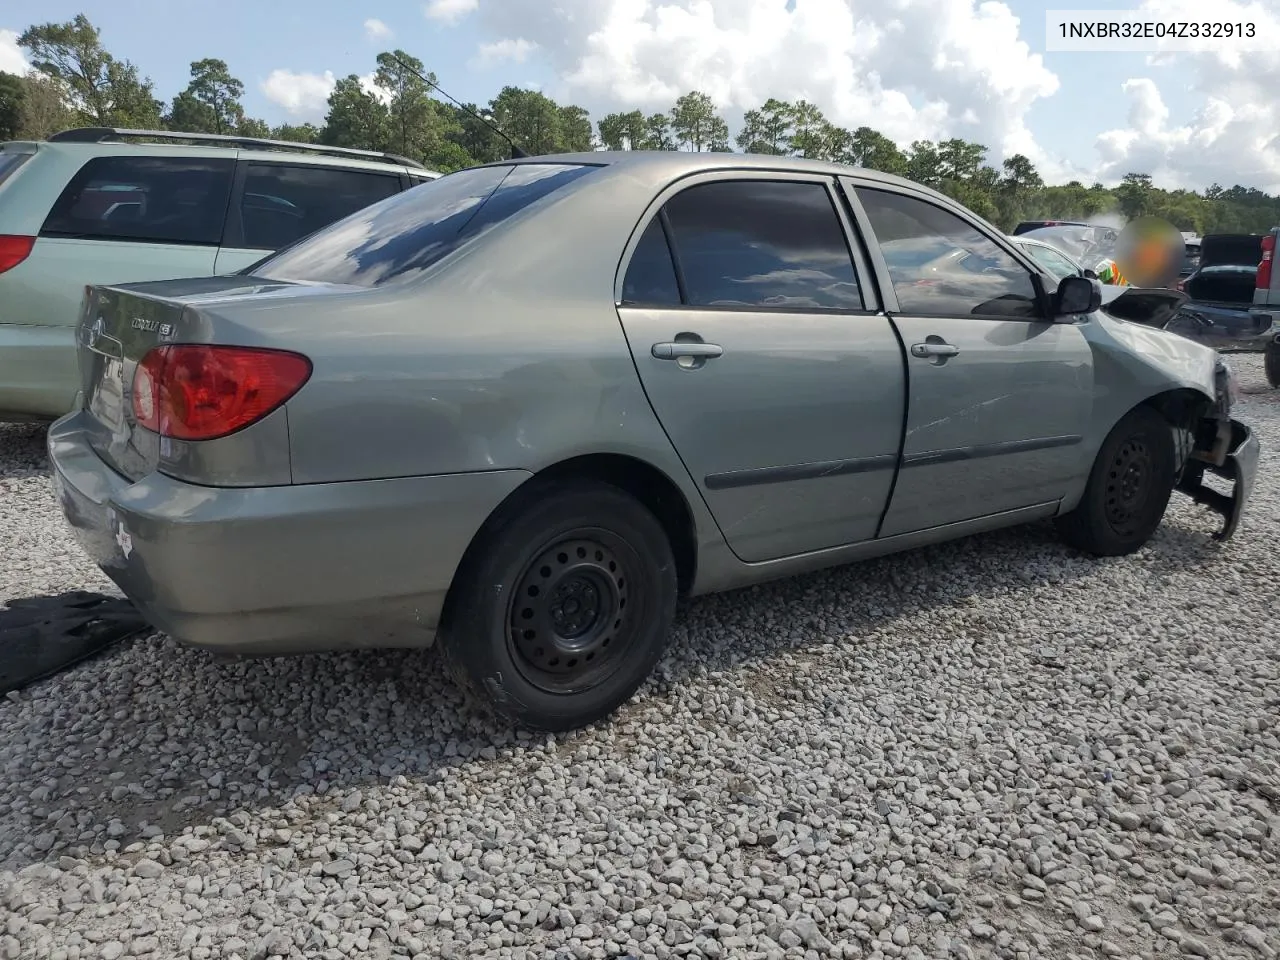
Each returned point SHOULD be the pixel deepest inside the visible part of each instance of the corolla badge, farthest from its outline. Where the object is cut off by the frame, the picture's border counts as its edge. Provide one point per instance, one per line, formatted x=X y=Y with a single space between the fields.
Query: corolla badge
x=151 y=326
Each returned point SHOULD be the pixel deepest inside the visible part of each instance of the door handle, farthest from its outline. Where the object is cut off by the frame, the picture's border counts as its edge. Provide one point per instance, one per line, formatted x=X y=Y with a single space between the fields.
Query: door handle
x=692 y=349
x=934 y=348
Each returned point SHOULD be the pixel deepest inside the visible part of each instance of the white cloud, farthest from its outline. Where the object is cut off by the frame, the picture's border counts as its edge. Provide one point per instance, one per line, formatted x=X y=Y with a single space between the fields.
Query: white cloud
x=12 y=59
x=967 y=73
x=304 y=96
x=503 y=51
x=1232 y=137
x=450 y=11
x=375 y=29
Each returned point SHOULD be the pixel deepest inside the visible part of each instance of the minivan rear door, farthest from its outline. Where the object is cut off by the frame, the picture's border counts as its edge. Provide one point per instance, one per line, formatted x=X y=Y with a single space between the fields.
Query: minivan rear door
x=123 y=219
x=275 y=204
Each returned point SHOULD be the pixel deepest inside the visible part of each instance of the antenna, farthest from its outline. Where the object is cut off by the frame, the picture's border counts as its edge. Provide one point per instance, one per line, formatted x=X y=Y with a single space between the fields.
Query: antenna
x=516 y=152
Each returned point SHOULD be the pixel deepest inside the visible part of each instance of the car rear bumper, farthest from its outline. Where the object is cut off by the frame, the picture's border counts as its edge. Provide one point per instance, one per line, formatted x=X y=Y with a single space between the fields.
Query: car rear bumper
x=272 y=570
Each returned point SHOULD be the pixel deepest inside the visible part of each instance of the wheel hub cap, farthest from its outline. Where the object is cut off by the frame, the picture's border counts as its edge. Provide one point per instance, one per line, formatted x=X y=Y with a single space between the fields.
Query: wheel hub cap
x=1128 y=483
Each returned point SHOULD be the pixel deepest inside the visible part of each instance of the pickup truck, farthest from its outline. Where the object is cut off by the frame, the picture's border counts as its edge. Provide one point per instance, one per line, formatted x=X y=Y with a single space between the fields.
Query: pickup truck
x=1266 y=305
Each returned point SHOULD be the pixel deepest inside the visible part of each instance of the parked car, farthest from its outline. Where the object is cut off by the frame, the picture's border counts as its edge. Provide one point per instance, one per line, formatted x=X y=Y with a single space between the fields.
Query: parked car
x=1220 y=295
x=97 y=206
x=523 y=407
x=1028 y=225
x=1266 y=304
x=1150 y=306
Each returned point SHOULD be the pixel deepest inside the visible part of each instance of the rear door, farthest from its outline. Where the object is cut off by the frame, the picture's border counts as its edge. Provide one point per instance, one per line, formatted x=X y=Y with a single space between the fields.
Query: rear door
x=276 y=203
x=123 y=219
x=762 y=349
x=1000 y=397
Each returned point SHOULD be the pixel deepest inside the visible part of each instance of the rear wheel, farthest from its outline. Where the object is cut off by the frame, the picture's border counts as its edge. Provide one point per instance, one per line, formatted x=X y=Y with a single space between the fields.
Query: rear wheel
x=562 y=607
x=1271 y=360
x=1128 y=489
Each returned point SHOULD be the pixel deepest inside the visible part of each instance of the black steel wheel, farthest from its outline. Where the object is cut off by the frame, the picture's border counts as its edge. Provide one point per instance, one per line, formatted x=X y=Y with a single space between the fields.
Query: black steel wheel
x=568 y=622
x=1128 y=488
x=562 y=605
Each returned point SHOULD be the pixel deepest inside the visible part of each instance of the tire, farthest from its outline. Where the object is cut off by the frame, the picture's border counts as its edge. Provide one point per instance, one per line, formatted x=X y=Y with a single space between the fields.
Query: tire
x=561 y=608
x=1271 y=361
x=1128 y=488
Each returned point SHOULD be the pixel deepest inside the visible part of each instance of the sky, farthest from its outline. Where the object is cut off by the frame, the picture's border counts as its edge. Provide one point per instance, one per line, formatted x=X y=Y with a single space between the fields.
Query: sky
x=913 y=69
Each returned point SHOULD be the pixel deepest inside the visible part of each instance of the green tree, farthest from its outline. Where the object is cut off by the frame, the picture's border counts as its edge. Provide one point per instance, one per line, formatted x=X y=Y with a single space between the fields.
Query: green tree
x=767 y=130
x=810 y=132
x=253 y=127
x=356 y=118
x=105 y=91
x=924 y=164
x=959 y=159
x=695 y=123
x=44 y=108
x=477 y=138
x=1134 y=194
x=414 y=121
x=297 y=133
x=1020 y=174
x=12 y=98
x=530 y=118
x=211 y=101
x=871 y=149
x=575 y=135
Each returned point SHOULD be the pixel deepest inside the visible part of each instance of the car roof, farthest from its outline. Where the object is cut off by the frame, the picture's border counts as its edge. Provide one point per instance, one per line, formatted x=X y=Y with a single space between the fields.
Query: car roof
x=675 y=163
x=104 y=142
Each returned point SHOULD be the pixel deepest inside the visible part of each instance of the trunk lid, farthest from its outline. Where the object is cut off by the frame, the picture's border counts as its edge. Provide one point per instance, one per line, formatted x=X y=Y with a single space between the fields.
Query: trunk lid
x=1230 y=249
x=119 y=325
x=1226 y=284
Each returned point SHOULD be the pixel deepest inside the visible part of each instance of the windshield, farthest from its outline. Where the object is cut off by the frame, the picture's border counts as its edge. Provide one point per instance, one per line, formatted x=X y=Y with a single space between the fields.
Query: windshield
x=396 y=239
x=1087 y=245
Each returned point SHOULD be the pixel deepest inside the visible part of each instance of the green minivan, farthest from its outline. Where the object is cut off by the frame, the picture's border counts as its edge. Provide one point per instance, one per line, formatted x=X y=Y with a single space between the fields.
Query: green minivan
x=96 y=205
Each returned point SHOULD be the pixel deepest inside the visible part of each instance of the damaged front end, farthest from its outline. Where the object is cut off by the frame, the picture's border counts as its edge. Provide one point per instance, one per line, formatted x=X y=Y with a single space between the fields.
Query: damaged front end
x=1224 y=447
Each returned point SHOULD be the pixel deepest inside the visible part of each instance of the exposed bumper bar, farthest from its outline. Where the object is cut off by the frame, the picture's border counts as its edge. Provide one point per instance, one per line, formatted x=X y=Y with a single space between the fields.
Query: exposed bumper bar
x=1240 y=466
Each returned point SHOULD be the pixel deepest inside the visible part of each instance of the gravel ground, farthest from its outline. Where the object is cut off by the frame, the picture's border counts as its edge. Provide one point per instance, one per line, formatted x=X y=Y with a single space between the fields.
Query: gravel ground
x=991 y=748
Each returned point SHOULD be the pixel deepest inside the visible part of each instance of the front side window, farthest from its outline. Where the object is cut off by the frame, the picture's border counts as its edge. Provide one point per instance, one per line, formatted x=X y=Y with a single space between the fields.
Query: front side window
x=762 y=243
x=1053 y=262
x=281 y=203
x=943 y=267
x=398 y=238
x=149 y=199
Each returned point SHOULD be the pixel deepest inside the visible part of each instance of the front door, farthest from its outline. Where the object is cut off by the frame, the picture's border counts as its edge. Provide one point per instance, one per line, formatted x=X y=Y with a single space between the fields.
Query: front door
x=1000 y=397
x=765 y=358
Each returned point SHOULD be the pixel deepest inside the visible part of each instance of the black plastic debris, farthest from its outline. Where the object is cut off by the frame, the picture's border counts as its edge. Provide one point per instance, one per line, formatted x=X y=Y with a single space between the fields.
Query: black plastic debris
x=41 y=636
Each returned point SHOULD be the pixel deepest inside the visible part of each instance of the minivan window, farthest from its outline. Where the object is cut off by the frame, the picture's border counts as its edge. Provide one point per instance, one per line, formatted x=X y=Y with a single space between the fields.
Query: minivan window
x=943 y=267
x=148 y=199
x=400 y=237
x=762 y=243
x=651 y=275
x=282 y=202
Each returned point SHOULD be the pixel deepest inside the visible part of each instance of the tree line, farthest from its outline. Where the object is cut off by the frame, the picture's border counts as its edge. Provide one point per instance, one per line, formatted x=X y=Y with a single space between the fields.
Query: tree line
x=77 y=82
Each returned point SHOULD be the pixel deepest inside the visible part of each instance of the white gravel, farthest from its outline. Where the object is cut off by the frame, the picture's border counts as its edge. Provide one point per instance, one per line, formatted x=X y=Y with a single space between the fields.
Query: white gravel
x=990 y=749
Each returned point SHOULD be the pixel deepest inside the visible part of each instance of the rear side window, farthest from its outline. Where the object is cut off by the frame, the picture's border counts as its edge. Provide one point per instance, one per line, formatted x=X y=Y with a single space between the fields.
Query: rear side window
x=943 y=267
x=10 y=162
x=398 y=238
x=762 y=243
x=281 y=203
x=148 y=199
x=651 y=275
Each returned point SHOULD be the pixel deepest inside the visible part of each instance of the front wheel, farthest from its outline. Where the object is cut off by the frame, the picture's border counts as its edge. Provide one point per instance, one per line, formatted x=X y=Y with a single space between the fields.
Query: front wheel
x=562 y=606
x=1128 y=489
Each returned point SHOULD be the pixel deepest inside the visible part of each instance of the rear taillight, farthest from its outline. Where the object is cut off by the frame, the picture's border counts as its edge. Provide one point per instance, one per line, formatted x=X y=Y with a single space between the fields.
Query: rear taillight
x=199 y=392
x=1264 y=266
x=13 y=250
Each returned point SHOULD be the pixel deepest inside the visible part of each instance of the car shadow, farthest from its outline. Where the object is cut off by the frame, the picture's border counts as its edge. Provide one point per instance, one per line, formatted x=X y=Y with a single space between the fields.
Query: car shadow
x=336 y=723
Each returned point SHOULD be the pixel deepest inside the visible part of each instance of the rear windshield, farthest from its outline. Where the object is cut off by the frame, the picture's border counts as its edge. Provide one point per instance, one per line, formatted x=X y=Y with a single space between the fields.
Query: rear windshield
x=398 y=238
x=9 y=162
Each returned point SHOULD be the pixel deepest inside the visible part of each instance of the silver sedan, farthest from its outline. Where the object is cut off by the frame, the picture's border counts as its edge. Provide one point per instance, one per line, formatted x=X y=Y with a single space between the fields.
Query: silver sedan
x=520 y=409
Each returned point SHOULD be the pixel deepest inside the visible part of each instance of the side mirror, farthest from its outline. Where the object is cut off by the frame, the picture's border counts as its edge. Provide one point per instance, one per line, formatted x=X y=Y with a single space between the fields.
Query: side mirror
x=1076 y=295
x=1089 y=274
